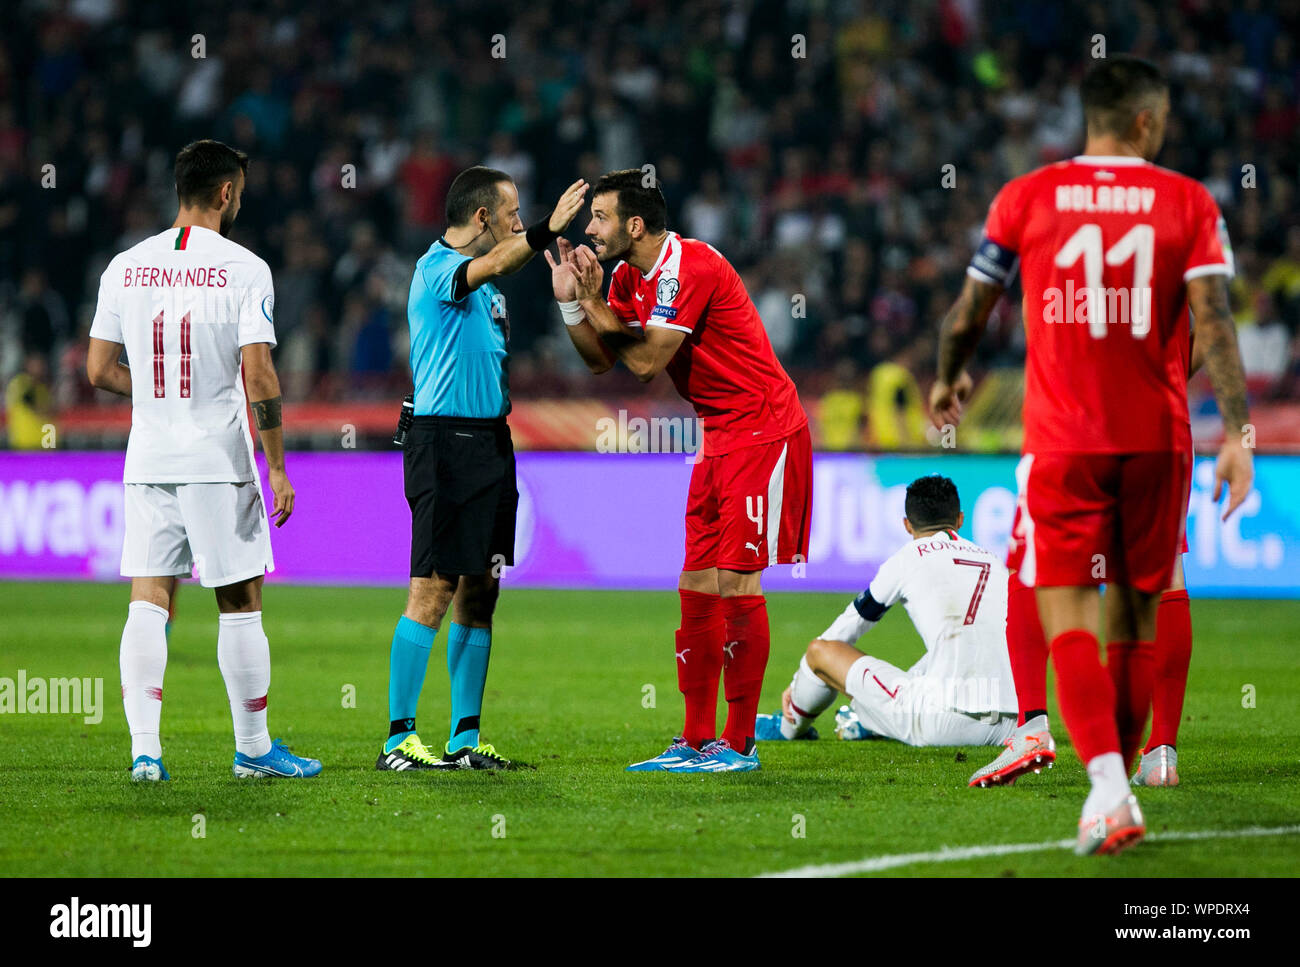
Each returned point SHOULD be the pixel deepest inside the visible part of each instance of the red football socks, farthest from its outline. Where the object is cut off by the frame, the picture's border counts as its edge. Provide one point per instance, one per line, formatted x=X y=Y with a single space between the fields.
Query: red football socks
x=1085 y=693
x=748 y=642
x=699 y=663
x=1132 y=668
x=1173 y=656
x=1027 y=648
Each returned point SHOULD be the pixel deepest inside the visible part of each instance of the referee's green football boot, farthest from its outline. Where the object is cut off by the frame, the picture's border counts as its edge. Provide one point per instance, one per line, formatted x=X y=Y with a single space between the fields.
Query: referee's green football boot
x=410 y=754
x=481 y=756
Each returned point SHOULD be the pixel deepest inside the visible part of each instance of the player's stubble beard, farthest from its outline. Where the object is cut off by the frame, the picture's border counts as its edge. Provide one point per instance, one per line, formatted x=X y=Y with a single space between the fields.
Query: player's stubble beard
x=227 y=221
x=616 y=247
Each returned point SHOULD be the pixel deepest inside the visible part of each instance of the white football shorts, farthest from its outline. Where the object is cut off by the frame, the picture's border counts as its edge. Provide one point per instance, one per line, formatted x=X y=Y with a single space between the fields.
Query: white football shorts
x=910 y=708
x=219 y=527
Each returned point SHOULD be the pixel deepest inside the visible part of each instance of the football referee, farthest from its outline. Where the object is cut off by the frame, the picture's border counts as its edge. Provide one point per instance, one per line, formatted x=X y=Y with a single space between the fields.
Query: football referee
x=458 y=461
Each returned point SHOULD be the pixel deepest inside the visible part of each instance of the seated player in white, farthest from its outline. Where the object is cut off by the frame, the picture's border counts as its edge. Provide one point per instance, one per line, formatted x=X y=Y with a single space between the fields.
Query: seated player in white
x=961 y=691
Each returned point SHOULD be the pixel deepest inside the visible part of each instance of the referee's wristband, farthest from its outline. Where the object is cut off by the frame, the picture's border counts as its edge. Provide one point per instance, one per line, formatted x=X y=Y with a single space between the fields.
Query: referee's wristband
x=572 y=312
x=539 y=234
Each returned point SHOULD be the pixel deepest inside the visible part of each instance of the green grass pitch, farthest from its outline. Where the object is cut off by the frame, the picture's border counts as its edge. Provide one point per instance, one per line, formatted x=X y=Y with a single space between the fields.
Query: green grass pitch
x=570 y=691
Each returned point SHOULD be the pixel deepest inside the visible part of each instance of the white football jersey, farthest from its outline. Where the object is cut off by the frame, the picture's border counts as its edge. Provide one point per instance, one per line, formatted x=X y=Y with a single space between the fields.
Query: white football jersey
x=184 y=303
x=955 y=592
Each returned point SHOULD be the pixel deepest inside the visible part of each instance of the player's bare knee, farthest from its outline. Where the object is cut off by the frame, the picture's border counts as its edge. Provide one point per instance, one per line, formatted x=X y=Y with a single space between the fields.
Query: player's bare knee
x=1120 y=626
x=816 y=654
x=481 y=618
x=701 y=582
x=427 y=610
x=827 y=659
x=1130 y=614
x=1145 y=617
x=240 y=597
x=428 y=599
x=733 y=584
x=156 y=591
x=475 y=601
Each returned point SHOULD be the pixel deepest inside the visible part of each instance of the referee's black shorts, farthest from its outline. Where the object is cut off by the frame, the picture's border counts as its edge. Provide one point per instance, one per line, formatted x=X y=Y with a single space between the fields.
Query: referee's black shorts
x=459 y=476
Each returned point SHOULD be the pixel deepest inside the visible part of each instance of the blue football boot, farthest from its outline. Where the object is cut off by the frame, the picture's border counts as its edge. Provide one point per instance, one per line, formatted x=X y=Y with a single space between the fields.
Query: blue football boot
x=767 y=728
x=849 y=727
x=719 y=756
x=278 y=762
x=145 y=769
x=675 y=754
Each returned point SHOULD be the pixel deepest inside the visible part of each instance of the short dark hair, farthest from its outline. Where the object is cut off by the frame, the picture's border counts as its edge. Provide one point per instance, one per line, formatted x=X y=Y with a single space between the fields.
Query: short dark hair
x=634 y=198
x=202 y=167
x=474 y=188
x=1116 y=89
x=931 y=502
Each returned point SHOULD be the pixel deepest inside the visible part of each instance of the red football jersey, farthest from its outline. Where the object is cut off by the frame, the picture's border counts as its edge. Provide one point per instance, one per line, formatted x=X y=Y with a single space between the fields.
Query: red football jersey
x=1106 y=246
x=725 y=366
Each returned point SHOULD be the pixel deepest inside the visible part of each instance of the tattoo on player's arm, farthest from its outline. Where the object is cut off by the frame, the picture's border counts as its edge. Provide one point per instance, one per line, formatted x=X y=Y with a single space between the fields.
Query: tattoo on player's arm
x=267 y=413
x=964 y=325
x=1217 y=334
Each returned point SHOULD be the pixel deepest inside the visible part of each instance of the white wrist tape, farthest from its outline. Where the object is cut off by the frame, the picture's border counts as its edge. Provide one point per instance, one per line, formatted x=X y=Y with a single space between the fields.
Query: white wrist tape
x=572 y=312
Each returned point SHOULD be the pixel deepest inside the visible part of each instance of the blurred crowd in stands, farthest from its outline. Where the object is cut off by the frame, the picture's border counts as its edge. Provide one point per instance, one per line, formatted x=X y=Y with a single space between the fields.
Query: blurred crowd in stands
x=810 y=142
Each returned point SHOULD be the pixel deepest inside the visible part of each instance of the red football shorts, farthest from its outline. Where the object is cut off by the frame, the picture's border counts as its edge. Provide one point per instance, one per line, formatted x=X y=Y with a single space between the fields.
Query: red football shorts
x=1016 y=543
x=751 y=508
x=1100 y=518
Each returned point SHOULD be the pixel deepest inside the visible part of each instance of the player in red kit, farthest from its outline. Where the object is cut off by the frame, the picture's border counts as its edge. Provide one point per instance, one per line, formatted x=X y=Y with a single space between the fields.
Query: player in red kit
x=676 y=304
x=1113 y=251
x=1031 y=748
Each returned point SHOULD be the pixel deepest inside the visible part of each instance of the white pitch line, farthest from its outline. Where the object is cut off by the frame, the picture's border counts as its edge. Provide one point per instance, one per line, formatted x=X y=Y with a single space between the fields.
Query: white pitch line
x=948 y=854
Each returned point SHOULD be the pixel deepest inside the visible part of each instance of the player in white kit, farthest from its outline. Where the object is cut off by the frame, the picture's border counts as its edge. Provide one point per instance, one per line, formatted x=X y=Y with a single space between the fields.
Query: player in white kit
x=961 y=691
x=190 y=307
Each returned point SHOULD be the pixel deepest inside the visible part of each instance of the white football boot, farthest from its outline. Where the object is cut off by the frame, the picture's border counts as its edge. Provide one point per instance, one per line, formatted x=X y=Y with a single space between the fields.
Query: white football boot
x=1030 y=749
x=1159 y=767
x=1111 y=832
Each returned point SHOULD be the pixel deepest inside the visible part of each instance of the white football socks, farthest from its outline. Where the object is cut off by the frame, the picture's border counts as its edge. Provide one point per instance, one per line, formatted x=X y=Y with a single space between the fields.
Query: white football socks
x=1109 y=784
x=143 y=659
x=244 y=656
x=809 y=694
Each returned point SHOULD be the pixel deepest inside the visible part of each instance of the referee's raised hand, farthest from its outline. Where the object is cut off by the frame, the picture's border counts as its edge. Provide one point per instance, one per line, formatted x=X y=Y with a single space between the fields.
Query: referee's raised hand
x=491 y=261
x=568 y=206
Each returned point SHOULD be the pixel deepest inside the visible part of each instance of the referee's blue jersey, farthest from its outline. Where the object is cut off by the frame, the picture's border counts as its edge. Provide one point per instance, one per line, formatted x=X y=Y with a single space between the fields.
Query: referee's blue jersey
x=458 y=348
